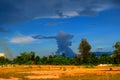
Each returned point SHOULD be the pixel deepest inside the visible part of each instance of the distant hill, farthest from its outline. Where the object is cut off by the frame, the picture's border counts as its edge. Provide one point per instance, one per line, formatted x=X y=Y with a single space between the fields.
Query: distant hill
x=100 y=53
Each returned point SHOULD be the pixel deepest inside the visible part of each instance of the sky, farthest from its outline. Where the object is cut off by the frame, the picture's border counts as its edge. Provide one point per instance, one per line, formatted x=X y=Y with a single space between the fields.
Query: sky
x=95 y=20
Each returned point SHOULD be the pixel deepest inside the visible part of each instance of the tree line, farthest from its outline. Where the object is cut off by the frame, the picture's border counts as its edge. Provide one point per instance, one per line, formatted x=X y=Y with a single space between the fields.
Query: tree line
x=84 y=58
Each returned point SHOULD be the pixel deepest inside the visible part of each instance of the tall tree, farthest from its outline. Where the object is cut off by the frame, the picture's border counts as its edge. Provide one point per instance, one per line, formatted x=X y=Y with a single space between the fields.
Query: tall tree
x=116 y=53
x=84 y=49
x=117 y=48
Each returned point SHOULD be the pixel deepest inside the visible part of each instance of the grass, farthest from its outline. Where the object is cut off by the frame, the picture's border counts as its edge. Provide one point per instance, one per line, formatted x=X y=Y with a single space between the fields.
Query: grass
x=7 y=72
x=89 y=66
x=88 y=74
x=88 y=77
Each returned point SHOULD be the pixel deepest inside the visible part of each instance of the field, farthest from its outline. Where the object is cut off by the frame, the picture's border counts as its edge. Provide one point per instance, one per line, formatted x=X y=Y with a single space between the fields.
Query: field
x=52 y=72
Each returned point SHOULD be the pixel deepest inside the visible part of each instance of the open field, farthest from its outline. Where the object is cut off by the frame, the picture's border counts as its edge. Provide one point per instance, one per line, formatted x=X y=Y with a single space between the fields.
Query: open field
x=51 y=72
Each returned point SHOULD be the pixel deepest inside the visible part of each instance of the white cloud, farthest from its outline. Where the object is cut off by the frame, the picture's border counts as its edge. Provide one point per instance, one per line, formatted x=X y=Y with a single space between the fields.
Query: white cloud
x=22 y=39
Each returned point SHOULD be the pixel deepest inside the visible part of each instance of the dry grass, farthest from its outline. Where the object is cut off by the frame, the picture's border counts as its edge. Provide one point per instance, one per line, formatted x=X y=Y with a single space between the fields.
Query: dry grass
x=35 y=72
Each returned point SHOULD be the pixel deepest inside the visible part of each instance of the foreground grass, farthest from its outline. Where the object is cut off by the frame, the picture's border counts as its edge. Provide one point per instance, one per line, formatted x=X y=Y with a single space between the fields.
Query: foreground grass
x=92 y=77
x=14 y=72
x=88 y=77
x=68 y=72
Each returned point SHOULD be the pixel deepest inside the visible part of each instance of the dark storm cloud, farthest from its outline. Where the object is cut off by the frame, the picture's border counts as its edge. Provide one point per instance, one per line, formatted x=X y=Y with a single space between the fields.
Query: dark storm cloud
x=64 y=42
x=12 y=11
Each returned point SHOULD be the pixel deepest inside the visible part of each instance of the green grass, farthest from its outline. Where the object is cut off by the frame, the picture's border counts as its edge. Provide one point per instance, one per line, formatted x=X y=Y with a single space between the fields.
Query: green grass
x=89 y=66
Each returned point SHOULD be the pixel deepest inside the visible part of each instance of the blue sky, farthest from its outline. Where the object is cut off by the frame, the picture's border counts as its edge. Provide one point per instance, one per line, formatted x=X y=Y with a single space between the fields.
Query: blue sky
x=97 y=21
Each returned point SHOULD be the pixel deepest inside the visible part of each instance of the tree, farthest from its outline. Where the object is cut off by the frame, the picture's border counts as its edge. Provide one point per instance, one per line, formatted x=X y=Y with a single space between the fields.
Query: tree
x=32 y=55
x=50 y=59
x=105 y=59
x=44 y=60
x=63 y=55
x=93 y=59
x=18 y=60
x=4 y=61
x=116 y=58
x=25 y=58
x=116 y=53
x=117 y=48
x=37 y=60
x=84 y=49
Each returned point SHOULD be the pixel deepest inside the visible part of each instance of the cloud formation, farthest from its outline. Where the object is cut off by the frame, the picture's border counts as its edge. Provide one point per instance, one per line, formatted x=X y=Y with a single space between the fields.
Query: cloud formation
x=12 y=11
x=22 y=39
x=64 y=42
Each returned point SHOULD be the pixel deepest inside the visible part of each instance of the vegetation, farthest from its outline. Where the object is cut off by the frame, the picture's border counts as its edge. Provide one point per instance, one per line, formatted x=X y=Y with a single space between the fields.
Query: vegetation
x=86 y=57
x=4 y=61
x=117 y=48
x=116 y=54
x=31 y=58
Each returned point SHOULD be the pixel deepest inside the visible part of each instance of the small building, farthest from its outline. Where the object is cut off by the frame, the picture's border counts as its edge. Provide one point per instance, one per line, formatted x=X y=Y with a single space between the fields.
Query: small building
x=2 y=55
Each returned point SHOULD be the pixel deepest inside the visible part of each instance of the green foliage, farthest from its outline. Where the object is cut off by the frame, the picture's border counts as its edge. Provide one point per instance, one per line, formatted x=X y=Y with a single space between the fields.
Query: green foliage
x=89 y=66
x=37 y=60
x=92 y=59
x=86 y=58
x=4 y=61
x=117 y=45
x=25 y=58
x=116 y=59
x=44 y=60
x=105 y=59
x=116 y=54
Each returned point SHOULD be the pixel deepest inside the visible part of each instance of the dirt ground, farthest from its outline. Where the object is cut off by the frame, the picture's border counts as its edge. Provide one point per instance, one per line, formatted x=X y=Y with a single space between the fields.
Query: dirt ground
x=10 y=79
x=53 y=72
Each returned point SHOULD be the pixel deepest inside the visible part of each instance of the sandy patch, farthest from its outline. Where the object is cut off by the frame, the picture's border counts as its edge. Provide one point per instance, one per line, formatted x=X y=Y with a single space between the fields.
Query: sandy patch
x=42 y=77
